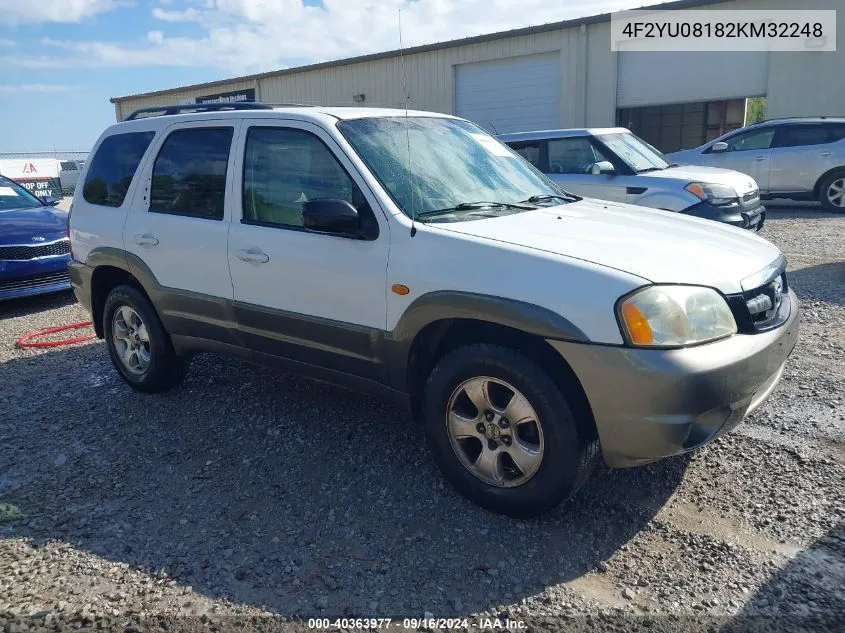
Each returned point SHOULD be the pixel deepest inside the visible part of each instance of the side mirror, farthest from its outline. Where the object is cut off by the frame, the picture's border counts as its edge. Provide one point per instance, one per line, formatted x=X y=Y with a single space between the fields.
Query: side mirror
x=49 y=201
x=603 y=167
x=721 y=146
x=331 y=216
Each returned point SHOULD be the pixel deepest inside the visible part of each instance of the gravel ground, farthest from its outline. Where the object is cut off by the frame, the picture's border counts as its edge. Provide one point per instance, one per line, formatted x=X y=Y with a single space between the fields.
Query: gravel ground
x=248 y=497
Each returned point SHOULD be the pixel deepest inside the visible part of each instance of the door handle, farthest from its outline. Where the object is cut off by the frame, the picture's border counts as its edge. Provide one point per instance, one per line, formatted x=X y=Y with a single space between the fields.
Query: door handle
x=759 y=158
x=147 y=239
x=824 y=153
x=253 y=256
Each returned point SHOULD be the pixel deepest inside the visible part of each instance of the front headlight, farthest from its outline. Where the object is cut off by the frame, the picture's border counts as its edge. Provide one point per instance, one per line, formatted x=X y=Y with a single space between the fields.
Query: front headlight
x=712 y=193
x=673 y=316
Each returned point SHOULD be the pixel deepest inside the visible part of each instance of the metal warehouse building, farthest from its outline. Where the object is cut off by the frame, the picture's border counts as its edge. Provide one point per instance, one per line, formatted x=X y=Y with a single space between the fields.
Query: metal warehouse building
x=561 y=75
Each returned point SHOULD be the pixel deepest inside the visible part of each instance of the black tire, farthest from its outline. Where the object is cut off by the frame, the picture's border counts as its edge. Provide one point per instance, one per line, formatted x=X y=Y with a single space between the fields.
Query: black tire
x=825 y=186
x=569 y=454
x=166 y=369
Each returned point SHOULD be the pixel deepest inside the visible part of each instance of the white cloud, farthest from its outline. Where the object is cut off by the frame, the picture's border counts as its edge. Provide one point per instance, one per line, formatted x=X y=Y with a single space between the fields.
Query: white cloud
x=244 y=36
x=23 y=11
x=9 y=90
x=7 y=43
x=188 y=15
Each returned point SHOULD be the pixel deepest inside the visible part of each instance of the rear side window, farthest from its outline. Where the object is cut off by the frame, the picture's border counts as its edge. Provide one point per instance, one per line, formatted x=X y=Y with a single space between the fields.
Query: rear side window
x=113 y=168
x=189 y=175
x=797 y=135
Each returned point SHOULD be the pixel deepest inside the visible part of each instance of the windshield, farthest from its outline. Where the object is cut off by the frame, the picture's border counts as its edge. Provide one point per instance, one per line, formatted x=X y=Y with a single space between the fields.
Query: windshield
x=453 y=162
x=639 y=155
x=13 y=196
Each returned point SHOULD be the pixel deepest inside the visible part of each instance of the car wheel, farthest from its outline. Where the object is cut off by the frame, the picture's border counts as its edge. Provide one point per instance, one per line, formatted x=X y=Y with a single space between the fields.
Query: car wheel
x=502 y=432
x=138 y=344
x=832 y=192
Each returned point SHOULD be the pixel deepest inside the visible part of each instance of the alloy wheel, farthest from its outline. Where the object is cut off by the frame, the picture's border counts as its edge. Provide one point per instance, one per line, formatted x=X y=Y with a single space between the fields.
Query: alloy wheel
x=131 y=340
x=494 y=431
x=836 y=193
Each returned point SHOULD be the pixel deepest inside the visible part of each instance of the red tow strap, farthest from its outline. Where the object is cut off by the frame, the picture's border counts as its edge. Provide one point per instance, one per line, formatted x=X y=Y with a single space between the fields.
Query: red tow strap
x=24 y=341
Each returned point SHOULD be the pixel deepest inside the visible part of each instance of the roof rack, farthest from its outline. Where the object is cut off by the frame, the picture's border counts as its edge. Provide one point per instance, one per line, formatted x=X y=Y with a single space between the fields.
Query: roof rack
x=786 y=118
x=167 y=110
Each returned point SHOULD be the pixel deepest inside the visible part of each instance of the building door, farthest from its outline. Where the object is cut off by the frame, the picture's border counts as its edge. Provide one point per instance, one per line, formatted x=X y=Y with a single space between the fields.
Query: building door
x=516 y=94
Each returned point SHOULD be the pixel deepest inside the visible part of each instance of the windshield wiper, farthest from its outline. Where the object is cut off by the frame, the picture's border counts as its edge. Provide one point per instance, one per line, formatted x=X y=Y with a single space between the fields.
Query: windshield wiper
x=647 y=169
x=672 y=165
x=472 y=206
x=548 y=197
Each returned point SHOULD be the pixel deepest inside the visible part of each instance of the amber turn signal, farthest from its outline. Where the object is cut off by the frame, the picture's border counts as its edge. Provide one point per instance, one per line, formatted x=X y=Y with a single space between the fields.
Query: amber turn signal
x=400 y=289
x=637 y=324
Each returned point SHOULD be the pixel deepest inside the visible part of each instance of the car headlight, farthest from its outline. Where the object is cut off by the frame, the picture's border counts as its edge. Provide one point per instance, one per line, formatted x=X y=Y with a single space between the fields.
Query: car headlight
x=674 y=316
x=712 y=193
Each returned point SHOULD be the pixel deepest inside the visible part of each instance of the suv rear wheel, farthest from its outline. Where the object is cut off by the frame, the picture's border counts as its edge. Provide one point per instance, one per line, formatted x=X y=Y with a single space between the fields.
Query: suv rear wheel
x=139 y=347
x=503 y=433
x=832 y=192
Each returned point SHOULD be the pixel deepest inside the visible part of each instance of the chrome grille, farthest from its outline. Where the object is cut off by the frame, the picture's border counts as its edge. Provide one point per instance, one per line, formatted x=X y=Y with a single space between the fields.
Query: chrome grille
x=31 y=251
x=764 y=302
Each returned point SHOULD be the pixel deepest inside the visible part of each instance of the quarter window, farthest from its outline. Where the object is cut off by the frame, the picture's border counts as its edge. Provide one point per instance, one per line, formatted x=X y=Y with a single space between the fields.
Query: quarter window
x=753 y=140
x=189 y=175
x=573 y=156
x=283 y=169
x=113 y=168
x=837 y=131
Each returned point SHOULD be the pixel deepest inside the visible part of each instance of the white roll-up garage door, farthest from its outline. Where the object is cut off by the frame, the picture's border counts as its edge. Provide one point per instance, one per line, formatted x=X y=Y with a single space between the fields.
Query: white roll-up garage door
x=516 y=94
x=656 y=77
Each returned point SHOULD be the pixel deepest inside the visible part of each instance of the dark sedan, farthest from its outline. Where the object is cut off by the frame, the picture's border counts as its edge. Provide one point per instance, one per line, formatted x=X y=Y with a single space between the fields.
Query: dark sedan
x=34 y=245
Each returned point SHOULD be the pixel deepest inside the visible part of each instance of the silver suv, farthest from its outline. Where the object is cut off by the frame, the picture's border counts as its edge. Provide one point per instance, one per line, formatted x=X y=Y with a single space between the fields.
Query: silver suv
x=799 y=158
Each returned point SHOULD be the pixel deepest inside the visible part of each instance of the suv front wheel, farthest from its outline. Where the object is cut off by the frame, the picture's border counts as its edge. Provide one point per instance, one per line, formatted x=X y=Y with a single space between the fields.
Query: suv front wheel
x=138 y=344
x=503 y=433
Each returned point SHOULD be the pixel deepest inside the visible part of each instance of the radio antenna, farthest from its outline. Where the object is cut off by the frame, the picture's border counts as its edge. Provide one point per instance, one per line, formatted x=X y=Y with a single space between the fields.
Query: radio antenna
x=407 y=128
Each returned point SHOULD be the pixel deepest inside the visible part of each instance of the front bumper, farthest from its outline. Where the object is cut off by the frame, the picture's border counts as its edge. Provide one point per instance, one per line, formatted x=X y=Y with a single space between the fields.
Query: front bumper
x=649 y=404
x=26 y=278
x=745 y=217
x=80 y=281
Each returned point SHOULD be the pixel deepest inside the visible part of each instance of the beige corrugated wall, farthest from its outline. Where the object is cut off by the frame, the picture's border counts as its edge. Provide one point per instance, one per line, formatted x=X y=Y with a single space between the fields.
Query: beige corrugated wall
x=430 y=77
x=798 y=84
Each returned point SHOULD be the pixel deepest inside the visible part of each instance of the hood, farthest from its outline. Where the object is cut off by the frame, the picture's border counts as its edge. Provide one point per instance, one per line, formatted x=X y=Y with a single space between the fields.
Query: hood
x=741 y=183
x=20 y=226
x=659 y=246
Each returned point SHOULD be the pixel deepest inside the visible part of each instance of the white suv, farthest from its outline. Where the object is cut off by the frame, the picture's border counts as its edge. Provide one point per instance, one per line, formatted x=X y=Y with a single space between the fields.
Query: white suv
x=418 y=257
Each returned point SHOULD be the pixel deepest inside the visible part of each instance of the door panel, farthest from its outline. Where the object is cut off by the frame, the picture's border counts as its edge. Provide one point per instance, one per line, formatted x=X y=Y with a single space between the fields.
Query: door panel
x=801 y=153
x=178 y=225
x=749 y=153
x=312 y=297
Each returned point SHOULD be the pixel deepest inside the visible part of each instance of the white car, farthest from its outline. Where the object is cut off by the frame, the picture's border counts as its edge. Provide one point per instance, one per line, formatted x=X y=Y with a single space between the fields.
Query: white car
x=69 y=174
x=614 y=164
x=529 y=332
x=797 y=158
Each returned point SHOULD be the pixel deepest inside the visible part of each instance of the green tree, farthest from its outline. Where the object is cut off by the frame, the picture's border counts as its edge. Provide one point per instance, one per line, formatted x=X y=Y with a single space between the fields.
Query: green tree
x=755 y=110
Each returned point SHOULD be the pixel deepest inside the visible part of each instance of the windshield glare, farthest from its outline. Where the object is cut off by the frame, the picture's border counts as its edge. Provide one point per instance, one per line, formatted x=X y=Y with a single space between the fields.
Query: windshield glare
x=638 y=154
x=451 y=161
x=13 y=196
